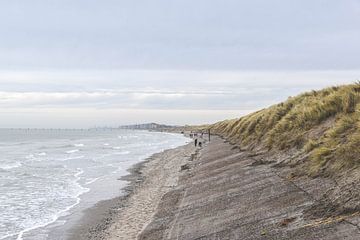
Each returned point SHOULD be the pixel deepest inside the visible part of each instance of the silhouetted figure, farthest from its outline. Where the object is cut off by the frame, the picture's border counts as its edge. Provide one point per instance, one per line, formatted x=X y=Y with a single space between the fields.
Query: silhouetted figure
x=200 y=144
x=196 y=142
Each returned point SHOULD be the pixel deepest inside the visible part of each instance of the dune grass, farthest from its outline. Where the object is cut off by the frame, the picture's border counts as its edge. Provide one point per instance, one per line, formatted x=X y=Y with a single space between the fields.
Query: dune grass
x=294 y=123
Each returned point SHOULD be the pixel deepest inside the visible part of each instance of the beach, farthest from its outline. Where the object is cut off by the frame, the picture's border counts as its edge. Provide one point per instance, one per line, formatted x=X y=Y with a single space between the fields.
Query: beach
x=126 y=216
x=222 y=193
x=179 y=120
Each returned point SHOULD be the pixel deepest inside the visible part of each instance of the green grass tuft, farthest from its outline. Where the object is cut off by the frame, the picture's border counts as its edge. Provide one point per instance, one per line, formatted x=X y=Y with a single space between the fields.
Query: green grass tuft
x=290 y=124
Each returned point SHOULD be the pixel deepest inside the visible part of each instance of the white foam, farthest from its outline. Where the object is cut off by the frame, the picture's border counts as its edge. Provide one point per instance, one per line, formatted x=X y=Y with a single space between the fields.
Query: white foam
x=30 y=157
x=9 y=235
x=42 y=154
x=123 y=153
x=79 y=145
x=117 y=170
x=72 y=151
x=10 y=165
x=54 y=217
x=72 y=158
x=106 y=144
x=79 y=172
x=91 y=181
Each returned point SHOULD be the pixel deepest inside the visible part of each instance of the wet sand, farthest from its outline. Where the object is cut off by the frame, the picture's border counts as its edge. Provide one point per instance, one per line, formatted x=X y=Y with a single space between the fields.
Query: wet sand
x=124 y=217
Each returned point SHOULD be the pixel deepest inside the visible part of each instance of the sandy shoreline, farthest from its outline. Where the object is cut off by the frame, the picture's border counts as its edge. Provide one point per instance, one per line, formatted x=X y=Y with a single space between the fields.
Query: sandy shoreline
x=223 y=193
x=124 y=217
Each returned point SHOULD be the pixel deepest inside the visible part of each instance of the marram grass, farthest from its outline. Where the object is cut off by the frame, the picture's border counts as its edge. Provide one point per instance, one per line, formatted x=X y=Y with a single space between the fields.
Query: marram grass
x=295 y=124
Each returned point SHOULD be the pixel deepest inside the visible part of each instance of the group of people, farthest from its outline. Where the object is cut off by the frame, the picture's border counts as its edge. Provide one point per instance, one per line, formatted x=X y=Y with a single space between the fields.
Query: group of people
x=198 y=138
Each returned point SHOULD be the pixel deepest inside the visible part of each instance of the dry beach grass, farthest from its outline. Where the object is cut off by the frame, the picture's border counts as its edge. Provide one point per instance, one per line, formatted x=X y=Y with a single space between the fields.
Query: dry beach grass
x=325 y=124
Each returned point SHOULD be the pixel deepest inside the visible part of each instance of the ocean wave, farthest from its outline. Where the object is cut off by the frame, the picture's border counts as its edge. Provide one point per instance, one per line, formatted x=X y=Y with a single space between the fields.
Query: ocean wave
x=54 y=214
x=9 y=235
x=37 y=157
x=78 y=145
x=117 y=170
x=122 y=153
x=30 y=157
x=90 y=181
x=79 y=172
x=58 y=146
x=72 y=158
x=8 y=166
x=54 y=217
x=128 y=137
x=72 y=151
x=67 y=183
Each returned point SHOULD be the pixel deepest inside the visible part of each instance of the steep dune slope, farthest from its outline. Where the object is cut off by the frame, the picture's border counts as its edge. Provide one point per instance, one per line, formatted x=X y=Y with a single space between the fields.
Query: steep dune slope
x=317 y=134
x=323 y=124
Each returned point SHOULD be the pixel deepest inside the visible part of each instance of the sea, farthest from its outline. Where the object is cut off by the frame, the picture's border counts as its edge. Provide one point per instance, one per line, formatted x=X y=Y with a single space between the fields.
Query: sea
x=48 y=177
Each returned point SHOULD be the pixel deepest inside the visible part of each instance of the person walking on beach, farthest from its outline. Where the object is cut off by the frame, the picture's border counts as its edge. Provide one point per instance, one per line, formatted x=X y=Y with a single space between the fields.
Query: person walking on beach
x=196 y=142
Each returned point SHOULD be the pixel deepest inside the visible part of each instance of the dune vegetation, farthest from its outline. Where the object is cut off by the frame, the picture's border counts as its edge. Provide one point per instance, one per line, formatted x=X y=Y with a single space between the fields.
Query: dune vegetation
x=323 y=126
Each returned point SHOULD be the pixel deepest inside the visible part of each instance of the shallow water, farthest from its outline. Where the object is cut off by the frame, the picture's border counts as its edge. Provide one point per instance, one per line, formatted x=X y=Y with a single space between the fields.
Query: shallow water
x=48 y=175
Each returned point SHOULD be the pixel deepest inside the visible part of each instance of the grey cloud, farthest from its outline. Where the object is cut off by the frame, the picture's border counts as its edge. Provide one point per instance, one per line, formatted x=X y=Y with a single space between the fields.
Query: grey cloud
x=184 y=34
x=160 y=89
x=138 y=99
x=92 y=56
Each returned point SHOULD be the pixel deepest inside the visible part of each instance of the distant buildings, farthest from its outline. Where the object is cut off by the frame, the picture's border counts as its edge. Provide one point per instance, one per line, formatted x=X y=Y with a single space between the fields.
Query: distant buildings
x=148 y=126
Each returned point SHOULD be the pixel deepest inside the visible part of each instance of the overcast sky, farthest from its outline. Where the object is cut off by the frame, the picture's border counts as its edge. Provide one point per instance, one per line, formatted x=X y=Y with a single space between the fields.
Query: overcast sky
x=81 y=63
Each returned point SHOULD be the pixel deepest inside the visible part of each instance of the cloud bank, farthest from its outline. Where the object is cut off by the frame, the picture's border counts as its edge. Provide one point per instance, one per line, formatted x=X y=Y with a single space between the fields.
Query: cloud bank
x=140 y=61
x=208 y=90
